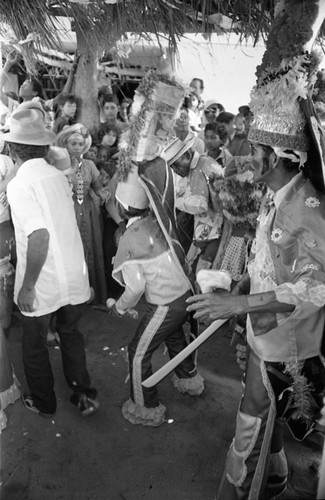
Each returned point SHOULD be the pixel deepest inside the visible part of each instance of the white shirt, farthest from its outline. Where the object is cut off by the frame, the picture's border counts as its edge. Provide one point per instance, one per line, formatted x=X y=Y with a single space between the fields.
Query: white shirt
x=40 y=197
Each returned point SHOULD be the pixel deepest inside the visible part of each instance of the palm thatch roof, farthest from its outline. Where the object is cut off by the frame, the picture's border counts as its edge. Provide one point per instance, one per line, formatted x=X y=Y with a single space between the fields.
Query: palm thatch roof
x=108 y=20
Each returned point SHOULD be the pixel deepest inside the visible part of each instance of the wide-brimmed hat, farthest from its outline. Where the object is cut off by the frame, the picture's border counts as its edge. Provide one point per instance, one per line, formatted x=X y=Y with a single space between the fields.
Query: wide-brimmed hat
x=65 y=134
x=176 y=149
x=32 y=104
x=27 y=126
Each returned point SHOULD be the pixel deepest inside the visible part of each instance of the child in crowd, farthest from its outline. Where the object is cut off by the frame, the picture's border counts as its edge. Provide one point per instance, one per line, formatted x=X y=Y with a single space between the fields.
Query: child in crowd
x=67 y=112
x=108 y=137
x=92 y=154
x=145 y=263
x=215 y=139
x=124 y=110
x=197 y=87
x=192 y=103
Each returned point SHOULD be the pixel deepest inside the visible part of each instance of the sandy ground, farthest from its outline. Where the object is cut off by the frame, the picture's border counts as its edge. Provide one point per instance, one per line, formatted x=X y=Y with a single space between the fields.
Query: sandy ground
x=106 y=458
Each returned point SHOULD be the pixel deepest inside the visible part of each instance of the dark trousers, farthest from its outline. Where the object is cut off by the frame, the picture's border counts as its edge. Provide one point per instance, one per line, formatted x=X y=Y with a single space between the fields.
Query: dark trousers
x=159 y=324
x=36 y=360
x=109 y=249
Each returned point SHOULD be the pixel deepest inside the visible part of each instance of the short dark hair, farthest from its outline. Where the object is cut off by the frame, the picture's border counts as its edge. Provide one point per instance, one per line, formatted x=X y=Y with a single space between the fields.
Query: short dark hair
x=105 y=129
x=67 y=98
x=28 y=151
x=110 y=98
x=137 y=212
x=218 y=128
x=225 y=117
x=37 y=86
x=198 y=80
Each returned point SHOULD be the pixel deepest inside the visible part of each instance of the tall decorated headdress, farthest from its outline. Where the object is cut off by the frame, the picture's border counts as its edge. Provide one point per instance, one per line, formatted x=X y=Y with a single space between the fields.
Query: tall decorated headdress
x=155 y=106
x=144 y=178
x=284 y=116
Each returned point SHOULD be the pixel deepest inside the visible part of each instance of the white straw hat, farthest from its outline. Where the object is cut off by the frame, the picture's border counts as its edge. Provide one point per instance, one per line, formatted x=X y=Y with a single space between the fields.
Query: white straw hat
x=27 y=127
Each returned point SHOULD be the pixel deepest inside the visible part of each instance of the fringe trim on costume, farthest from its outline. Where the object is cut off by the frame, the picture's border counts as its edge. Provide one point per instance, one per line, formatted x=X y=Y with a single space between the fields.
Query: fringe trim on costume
x=137 y=414
x=193 y=386
x=301 y=392
x=6 y=398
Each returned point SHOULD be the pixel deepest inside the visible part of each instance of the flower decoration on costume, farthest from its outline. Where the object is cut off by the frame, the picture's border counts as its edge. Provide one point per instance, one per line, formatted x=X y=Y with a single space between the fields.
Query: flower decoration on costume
x=312 y=202
x=310 y=266
x=276 y=234
x=240 y=199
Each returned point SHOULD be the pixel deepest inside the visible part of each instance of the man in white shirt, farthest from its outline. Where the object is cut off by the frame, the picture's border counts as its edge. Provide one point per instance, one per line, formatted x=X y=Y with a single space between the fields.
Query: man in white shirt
x=51 y=273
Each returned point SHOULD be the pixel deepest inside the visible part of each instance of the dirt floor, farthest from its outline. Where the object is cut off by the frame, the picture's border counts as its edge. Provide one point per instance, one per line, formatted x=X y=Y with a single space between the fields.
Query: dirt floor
x=106 y=458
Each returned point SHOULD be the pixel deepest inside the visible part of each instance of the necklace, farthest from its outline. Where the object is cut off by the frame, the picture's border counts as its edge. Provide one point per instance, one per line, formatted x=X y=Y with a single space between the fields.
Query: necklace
x=80 y=184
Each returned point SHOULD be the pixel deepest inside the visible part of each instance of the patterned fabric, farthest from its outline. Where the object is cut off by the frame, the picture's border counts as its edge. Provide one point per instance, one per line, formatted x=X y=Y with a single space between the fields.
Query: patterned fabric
x=235 y=257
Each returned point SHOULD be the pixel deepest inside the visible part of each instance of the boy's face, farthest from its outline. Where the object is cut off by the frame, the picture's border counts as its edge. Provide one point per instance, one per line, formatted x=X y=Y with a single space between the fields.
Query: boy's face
x=92 y=153
x=69 y=109
x=102 y=154
x=212 y=140
x=110 y=110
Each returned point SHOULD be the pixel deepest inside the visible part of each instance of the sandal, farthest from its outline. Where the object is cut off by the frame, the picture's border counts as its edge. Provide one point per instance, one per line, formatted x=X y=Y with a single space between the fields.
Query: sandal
x=30 y=405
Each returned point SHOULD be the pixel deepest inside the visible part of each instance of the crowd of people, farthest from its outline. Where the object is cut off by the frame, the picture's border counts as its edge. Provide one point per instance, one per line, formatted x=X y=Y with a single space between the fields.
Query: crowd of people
x=73 y=232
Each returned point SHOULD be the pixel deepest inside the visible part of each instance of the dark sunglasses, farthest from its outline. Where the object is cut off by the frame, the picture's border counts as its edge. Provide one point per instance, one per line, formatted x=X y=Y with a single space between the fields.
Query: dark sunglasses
x=210 y=110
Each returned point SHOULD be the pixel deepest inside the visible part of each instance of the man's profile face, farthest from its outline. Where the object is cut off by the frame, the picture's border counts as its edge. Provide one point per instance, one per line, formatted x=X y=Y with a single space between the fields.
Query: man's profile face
x=181 y=166
x=230 y=127
x=26 y=89
x=260 y=162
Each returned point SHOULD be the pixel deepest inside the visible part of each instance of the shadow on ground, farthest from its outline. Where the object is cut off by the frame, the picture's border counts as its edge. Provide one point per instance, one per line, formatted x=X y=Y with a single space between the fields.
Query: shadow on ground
x=106 y=458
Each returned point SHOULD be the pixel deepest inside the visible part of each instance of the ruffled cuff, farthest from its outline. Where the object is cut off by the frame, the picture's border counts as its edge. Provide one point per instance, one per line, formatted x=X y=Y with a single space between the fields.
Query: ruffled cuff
x=194 y=386
x=137 y=414
x=305 y=290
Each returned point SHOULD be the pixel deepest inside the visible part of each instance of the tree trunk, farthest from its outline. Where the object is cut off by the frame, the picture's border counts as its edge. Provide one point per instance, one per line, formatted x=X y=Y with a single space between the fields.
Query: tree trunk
x=86 y=80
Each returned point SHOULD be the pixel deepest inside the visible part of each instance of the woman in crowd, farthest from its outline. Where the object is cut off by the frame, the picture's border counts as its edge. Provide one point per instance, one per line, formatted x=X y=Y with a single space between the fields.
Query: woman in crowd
x=197 y=87
x=85 y=182
x=67 y=112
x=192 y=105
